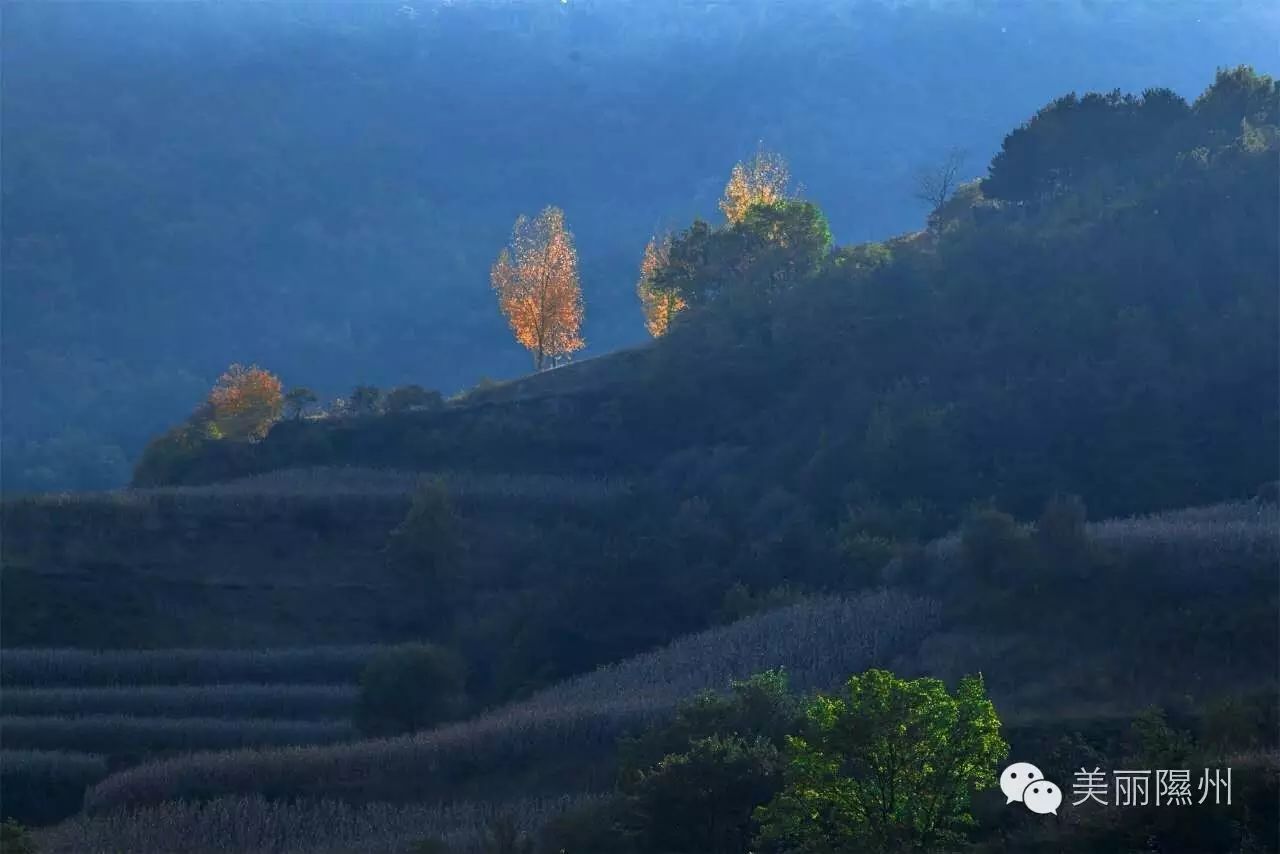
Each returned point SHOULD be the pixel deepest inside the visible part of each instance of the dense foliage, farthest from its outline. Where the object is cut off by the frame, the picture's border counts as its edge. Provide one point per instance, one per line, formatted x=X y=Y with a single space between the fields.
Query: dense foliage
x=410 y=688
x=694 y=783
x=888 y=765
x=772 y=247
x=536 y=281
x=1114 y=339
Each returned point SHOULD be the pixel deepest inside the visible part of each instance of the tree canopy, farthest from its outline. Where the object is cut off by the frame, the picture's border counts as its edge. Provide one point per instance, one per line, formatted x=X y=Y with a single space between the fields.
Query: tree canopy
x=888 y=765
x=660 y=306
x=536 y=280
x=243 y=404
x=770 y=249
x=765 y=179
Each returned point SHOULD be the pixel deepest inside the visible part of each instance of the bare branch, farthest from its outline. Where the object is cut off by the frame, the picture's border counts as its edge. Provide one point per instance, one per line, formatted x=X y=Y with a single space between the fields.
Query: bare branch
x=936 y=184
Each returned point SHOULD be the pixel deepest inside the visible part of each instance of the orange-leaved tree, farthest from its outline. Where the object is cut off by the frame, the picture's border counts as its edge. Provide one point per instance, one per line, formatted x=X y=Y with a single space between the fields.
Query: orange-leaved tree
x=536 y=279
x=243 y=404
x=660 y=304
x=762 y=180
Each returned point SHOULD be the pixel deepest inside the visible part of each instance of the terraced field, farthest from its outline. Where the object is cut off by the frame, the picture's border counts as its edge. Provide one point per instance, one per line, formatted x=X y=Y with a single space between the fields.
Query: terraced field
x=290 y=557
x=253 y=824
x=214 y=742
x=70 y=717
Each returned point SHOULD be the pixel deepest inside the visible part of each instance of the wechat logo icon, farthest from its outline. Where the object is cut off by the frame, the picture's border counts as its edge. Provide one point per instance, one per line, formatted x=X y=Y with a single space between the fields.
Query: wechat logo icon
x=1025 y=783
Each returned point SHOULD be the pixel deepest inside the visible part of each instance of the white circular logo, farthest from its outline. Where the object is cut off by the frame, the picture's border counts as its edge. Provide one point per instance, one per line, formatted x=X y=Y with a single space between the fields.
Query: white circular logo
x=1042 y=797
x=1016 y=777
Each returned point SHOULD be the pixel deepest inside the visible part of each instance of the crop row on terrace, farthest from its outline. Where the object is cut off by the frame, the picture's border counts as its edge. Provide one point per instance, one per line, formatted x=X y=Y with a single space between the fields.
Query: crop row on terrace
x=327 y=485
x=77 y=667
x=124 y=735
x=428 y=765
x=820 y=642
x=1217 y=548
x=254 y=825
x=296 y=702
x=364 y=482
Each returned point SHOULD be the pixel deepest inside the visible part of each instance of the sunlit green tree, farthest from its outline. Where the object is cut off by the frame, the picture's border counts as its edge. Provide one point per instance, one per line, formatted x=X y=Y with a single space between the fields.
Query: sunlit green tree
x=888 y=765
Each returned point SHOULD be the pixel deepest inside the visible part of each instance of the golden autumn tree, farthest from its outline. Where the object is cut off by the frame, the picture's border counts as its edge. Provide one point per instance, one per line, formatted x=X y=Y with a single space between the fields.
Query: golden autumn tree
x=243 y=404
x=536 y=280
x=763 y=180
x=660 y=305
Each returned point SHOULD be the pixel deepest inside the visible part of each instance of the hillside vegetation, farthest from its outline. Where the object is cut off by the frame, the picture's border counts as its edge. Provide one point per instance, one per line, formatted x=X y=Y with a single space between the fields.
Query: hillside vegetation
x=578 y=722
x=321 y=188
x=836 y=457
x=1048 y=680
x=288 y=558
x=1094 y=318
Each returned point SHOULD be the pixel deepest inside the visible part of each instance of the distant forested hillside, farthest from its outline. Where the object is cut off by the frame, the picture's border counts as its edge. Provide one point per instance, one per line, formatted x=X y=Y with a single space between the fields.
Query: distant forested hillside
x=1095 y=317
x=321 y=188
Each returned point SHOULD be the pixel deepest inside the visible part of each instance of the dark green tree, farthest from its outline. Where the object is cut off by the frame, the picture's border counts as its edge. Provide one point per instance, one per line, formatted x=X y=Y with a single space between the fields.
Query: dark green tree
x=297 y=400
x=16 y=839
x=783 y=243
x=771 y=249
x=410 y=687
x=1100 y=137
x=864 y=258
x=994 y=549
x=427 y=541
x=1060 y=536
x=701 y=801
x=690 y=270
x=761 y=706
x=364 y=399
x=1238 y=94
x=503 y=836
x=411 y=397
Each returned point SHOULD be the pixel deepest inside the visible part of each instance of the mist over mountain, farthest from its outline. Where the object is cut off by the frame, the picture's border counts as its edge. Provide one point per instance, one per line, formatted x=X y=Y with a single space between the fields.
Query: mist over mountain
x=321 y=189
